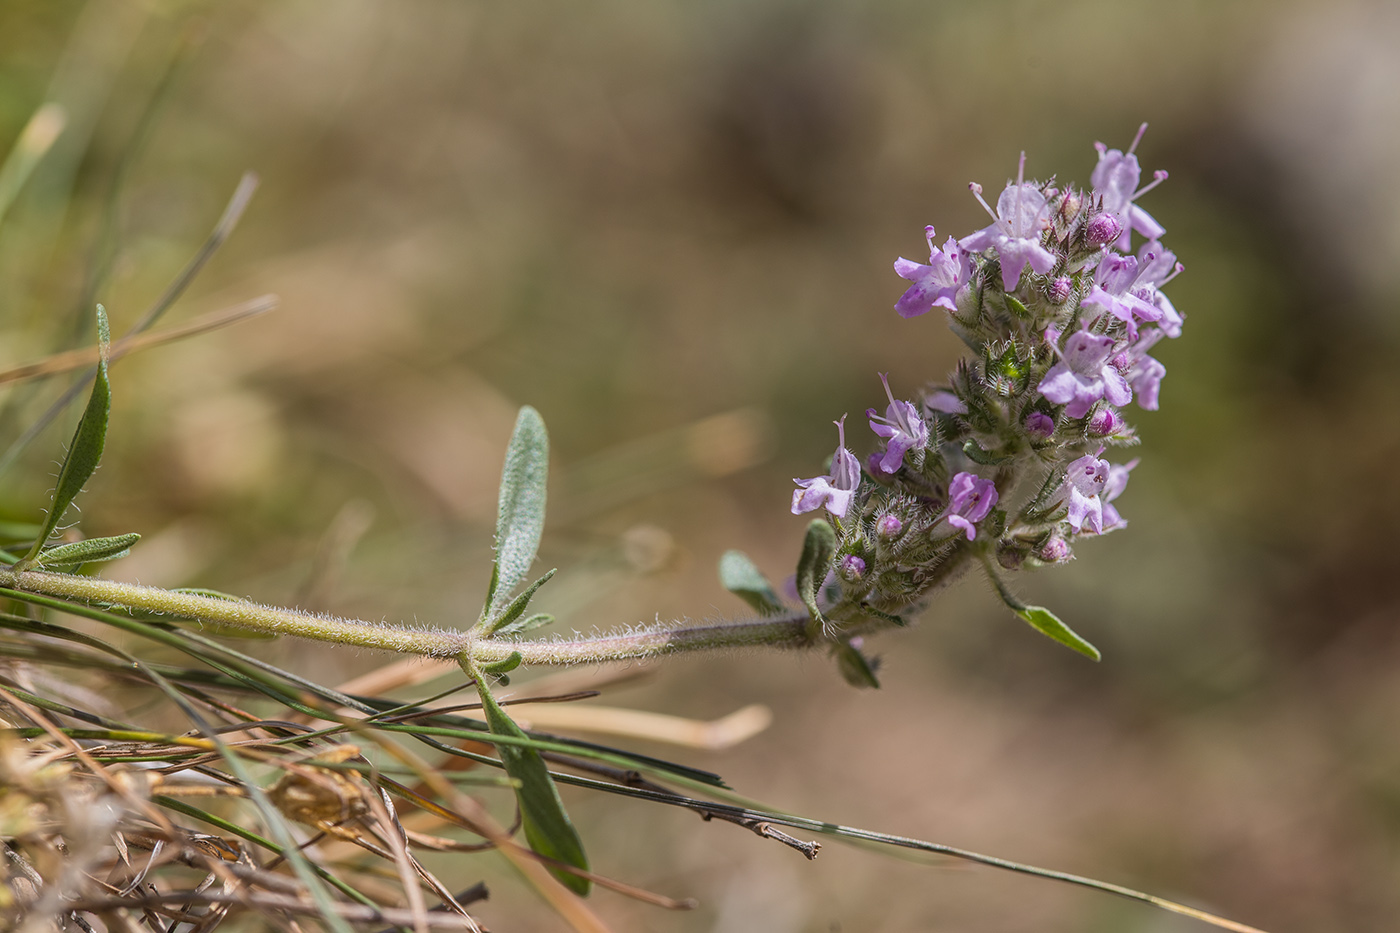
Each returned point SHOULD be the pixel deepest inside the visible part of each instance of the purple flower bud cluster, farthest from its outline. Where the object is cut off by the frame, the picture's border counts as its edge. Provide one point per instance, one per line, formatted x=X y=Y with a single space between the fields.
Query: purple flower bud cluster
x=1006 y=457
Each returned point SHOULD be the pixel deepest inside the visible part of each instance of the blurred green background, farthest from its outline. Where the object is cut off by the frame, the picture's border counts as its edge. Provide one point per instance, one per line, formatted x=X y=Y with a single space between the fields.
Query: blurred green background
x=669 y=227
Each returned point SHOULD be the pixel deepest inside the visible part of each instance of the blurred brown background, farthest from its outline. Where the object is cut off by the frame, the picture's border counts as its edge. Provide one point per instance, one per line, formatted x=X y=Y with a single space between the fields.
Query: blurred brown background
x=669 y=226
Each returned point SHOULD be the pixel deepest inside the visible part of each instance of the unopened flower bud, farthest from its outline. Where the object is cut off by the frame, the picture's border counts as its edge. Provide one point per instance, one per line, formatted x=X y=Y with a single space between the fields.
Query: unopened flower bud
x=889 y=526
x=1070 y=206
x=1055 y=551
x=1106 y=421
x=1039 y=424
x=1010 y=556
x=1059 y=290
x=852 y=568
x=1103 y=228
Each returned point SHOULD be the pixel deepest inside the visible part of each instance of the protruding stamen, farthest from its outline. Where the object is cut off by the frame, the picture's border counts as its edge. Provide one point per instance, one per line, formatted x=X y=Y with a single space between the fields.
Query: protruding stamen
x=928 y=235
x=976 y=190
x=1101 y=148
x=841 y=431
x=885 y=378
x=1174 y=273
x=1137 y=139
x=1148 y=258
x=1020 y=189
x=1158 y=177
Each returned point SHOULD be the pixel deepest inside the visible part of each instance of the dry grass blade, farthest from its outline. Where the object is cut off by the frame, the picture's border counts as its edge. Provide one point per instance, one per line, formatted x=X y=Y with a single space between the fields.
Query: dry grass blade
x=715 y=735
x=567 y=904
x=71 y=360
x=34 y=141
x=353 y=913
x=406 y=864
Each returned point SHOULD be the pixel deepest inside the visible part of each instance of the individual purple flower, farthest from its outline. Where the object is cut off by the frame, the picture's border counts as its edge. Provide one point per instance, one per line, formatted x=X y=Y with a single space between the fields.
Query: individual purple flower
x=901 y=427
x=834 y=491
x=1113 y=293
x=1113 y=488
x=946 y=402
x=970 y=498
x=1145 y=376
x=1115 y=180
x=1021 y=215
x=1157 y=266
x=1084 y=375
x=1039 y=424
x=937 y=283
x=1085 y=480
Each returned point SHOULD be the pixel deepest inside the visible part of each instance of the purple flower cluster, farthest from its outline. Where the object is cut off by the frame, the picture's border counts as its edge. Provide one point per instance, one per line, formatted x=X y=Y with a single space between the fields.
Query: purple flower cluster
x=1062 y=308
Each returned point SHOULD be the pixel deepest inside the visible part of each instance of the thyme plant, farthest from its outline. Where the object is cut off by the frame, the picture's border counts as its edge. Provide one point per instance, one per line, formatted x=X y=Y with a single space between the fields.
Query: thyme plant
x=996 y=469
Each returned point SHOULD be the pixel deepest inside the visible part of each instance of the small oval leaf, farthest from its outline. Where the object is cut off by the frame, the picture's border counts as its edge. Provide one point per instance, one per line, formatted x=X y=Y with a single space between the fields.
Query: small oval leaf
x=1038 y=617
x=525 y=625
x=1047 y=623
x=504 y=666
x=812 y=566
x=516 y=608
x=741 y=577
x=85 y=450
x=976 y=454
x=520 y=511
x=90 y=551
x=856 y=668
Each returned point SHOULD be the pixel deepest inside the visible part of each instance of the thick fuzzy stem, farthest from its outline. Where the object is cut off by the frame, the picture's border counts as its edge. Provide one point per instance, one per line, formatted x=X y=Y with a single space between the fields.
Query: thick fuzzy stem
x=787 y=631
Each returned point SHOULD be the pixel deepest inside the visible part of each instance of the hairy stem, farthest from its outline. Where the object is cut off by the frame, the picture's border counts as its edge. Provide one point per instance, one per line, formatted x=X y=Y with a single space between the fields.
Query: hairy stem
x=785 y=631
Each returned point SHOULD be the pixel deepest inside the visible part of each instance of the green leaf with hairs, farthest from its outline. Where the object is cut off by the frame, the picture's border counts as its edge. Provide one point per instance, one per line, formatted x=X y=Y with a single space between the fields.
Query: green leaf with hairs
x=976 y=454
x=855 y=667
x=530 y=623
x=516 y=609
x=91 y=551
x=520 y=512
x=503 y=666
x=812 y=567
x=1048 y=624
x=741 y=577
x=85 y=451
x=547 y=827
x=1039 y=618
